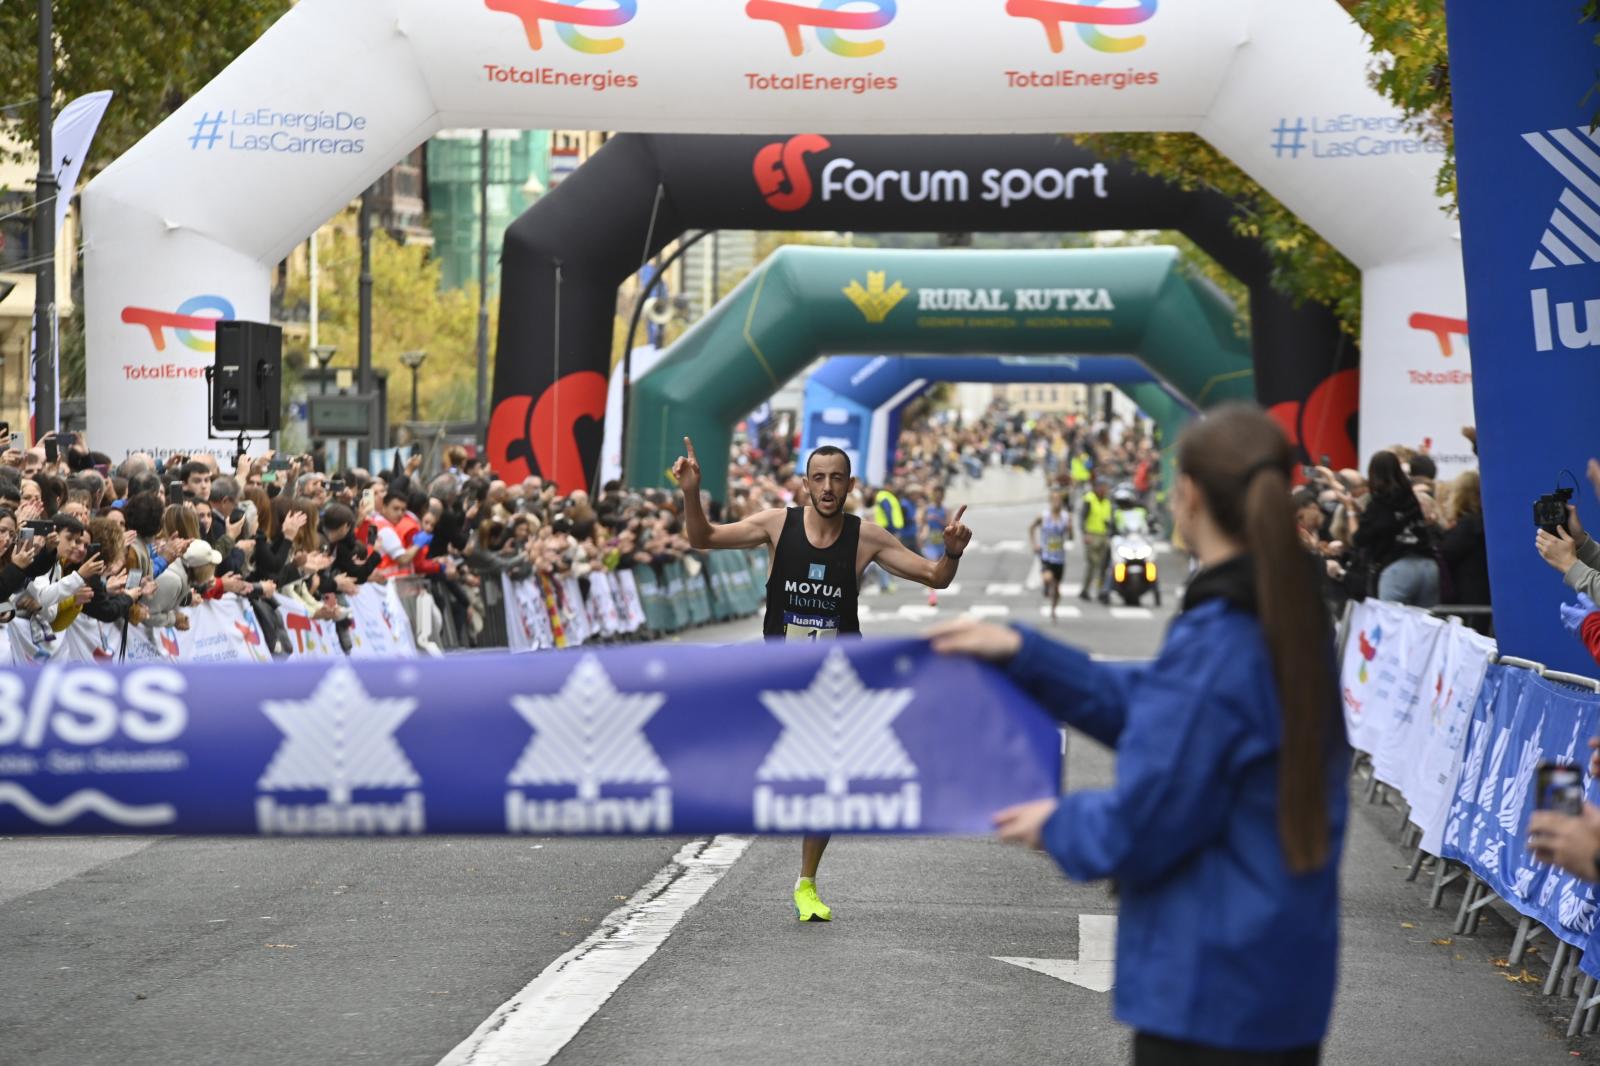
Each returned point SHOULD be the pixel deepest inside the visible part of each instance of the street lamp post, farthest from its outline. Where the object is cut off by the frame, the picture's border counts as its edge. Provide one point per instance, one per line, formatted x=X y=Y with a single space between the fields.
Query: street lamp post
x=413 y=361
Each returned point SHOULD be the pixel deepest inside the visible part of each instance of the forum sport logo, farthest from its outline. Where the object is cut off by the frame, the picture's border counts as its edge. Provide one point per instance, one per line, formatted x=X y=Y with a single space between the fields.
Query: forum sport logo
x=827 y=18
x=568 y=15
x=187 y=322
x=586 y=736
x=1087 y=17
x=837 y=731
x=339 y=740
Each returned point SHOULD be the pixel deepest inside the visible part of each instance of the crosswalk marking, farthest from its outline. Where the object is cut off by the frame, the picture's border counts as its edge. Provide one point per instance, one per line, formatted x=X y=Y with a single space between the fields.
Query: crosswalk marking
x=989 y=610
x=1066 y=610
x=1003 y=588
x=1130 y=613
x=916 y=611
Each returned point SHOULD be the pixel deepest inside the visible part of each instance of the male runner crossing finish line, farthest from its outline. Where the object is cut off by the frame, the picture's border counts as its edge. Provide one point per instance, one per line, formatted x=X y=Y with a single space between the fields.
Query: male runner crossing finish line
x=818 y=555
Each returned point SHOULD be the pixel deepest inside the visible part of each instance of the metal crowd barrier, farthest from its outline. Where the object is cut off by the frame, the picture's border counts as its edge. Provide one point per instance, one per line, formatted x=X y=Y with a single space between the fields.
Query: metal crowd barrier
x=1564 y=977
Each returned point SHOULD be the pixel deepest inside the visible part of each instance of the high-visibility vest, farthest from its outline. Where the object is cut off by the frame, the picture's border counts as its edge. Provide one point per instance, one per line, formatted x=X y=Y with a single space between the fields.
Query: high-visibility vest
x=1080 y=469
x=892 y=517
x=1098 y=521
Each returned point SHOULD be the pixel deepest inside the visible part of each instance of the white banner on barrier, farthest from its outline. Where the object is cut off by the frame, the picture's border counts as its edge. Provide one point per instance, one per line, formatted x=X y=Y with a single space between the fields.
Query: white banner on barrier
x=380 y=628
x=1460 y=662
x=632 y=603
x=574 y=614
x=311 y=638
x=1378 y=681
x=223 y=630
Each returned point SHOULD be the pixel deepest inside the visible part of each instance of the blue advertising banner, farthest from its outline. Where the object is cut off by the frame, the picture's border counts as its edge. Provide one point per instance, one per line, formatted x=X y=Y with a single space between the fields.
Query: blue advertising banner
x=1520 y=721
x=1529 y=173
x=878 y=736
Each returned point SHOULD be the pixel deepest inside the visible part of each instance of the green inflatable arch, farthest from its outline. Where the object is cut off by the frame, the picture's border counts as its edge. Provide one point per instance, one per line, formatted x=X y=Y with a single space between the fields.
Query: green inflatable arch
x=805 y=302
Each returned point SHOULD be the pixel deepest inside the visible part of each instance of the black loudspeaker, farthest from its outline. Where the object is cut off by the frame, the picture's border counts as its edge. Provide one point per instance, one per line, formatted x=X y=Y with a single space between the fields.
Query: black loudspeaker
x=247 y=381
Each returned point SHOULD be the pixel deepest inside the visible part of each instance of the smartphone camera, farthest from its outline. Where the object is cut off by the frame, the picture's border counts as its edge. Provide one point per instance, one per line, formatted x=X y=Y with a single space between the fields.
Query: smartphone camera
x=52 y=450
x=1559 y=788
x=1550 y=510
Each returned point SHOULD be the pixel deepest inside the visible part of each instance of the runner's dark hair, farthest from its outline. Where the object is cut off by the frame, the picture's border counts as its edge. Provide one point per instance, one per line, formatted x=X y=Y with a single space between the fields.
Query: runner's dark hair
x=829 y=449
x=1240 y=460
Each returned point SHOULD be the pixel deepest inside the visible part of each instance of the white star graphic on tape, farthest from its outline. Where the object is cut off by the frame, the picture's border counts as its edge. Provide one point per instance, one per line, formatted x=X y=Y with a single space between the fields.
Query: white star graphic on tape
x=837 y=729
x=589 y=734
x=339 y=739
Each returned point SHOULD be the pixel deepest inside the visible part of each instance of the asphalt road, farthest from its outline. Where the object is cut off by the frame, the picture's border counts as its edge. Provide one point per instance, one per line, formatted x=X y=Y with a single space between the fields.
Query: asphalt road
x=165 y=952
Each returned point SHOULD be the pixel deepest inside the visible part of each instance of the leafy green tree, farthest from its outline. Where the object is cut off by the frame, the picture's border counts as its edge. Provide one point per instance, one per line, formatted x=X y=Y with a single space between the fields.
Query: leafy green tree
x=154 y=56
x=1304 y=265
x=409 y=312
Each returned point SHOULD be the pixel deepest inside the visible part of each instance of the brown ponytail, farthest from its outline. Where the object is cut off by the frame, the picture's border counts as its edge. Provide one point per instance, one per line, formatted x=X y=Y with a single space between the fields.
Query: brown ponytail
x=1240 y=462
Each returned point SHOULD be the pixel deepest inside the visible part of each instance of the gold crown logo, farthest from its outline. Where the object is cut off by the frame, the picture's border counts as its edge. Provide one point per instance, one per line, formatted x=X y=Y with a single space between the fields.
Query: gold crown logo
x=875 y=301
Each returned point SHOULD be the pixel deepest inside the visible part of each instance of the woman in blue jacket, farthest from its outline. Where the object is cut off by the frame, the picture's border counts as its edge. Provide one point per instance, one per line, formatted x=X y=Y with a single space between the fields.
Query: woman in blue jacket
x=1224 y=829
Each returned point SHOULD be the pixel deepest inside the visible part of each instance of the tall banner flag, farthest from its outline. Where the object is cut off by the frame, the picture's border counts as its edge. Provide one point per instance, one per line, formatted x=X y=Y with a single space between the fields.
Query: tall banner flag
x=1528 y=162
x=877 y=736
x=71 y=134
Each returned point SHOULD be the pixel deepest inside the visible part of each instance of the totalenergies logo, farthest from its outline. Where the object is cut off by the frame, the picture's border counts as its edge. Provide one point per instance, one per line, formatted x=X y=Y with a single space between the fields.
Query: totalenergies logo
x=568 y=15
x=1087 y=16
x=828 y=19
x=1445 y=328
x=186 y=323
x=781 y=173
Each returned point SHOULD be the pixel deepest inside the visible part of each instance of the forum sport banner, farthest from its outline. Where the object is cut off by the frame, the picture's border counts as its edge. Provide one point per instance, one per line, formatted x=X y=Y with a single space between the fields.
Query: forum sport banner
x=878 y=736
x=1529 y=172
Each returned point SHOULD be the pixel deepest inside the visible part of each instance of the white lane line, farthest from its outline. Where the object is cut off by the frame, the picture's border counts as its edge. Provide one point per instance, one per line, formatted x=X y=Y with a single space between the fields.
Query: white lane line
x=1003 y=588
x=989 y=610
x=1010 y=545
x=917 y=611
x=953 y=590
x=533 y=1026
x=1131 y=613
x=1064 y=611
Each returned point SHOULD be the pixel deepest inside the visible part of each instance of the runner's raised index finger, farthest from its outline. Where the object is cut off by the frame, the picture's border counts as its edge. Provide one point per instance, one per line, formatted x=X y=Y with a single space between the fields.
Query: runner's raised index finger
x=959 y=513
x=688 y=446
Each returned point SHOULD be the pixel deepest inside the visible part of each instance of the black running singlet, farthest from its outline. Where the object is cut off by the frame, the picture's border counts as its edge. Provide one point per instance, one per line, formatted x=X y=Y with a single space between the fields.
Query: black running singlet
x=812 y=592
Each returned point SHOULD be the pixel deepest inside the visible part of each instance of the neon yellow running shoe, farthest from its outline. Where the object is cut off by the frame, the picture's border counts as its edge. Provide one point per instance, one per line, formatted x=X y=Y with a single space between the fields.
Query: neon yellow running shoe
x=807 y=906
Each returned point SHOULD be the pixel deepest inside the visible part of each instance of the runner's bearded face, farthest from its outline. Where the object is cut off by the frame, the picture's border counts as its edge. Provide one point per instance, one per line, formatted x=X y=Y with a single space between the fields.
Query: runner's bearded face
x=829 y=484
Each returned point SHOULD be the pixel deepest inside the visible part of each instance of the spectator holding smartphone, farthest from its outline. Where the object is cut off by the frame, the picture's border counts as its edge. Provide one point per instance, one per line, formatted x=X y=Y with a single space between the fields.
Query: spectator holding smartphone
x=1395 y=538
x=1231 y=773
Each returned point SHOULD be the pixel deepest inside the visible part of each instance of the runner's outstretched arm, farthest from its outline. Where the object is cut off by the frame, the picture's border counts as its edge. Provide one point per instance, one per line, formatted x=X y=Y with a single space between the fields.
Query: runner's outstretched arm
x=901 y=561
x=752 y=532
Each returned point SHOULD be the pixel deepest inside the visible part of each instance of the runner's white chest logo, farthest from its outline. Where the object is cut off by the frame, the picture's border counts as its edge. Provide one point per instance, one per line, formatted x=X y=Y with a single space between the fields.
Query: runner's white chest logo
x=338 y=740
x=835 y=731
x=588 y=735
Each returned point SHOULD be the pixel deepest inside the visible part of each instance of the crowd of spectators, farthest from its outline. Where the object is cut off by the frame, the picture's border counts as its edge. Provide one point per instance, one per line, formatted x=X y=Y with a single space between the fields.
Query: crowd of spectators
x=143 y=541
x=1400 y=534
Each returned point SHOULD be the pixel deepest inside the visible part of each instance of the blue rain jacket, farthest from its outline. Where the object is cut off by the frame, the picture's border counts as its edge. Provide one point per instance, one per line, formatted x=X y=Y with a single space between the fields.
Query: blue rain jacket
x=1217 y=942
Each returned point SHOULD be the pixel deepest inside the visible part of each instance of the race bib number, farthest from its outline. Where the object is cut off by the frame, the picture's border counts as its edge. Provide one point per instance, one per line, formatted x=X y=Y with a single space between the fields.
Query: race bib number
x=809 y=627
x=1053 y=543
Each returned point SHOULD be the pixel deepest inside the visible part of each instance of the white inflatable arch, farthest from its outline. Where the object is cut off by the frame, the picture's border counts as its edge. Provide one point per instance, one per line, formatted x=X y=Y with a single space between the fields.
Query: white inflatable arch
x=188 y=225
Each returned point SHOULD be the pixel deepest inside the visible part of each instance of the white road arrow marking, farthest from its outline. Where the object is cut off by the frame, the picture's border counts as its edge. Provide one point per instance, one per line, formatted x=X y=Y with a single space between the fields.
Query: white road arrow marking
x=1095 y=966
